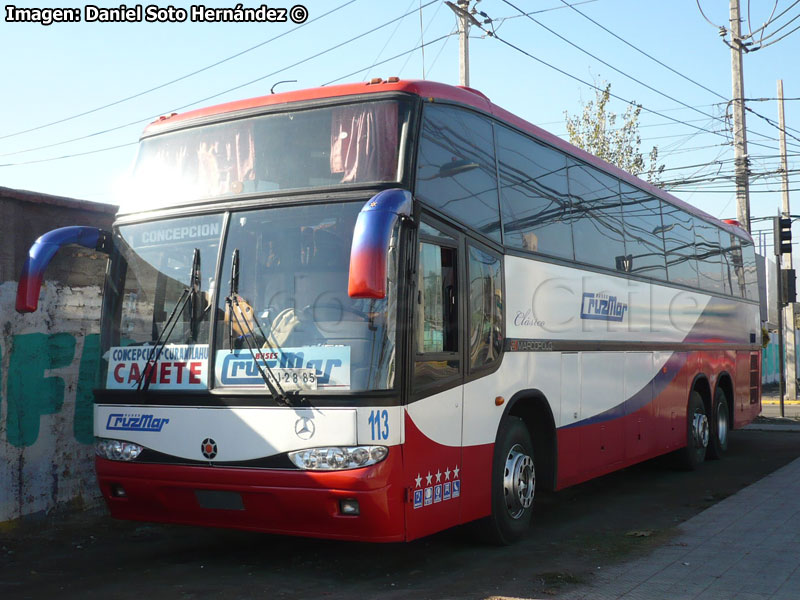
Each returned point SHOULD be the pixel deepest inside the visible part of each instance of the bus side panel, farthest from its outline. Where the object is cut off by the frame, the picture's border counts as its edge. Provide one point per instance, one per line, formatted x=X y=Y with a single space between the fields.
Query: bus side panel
x=602 y=446
x=661 y=422
x=671 y=404
x=641 y=421
x=747 y=403
x=433 y=465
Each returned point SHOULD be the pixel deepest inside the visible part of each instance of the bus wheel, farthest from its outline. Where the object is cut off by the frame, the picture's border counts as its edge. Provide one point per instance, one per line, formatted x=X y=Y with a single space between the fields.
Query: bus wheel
x=697 y=434
x=719 y=427
x=513 y=484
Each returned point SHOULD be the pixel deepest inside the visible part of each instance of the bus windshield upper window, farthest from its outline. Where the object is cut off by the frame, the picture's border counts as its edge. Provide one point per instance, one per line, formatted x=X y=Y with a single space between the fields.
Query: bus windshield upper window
x=312 y=148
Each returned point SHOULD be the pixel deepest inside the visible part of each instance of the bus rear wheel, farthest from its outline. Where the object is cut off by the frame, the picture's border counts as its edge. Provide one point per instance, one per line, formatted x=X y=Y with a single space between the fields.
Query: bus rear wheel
x=513 y=484
x=720 y=426
x=697 y=434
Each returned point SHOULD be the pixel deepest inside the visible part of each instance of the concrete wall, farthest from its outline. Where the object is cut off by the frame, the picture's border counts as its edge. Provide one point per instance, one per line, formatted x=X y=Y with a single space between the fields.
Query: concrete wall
x=769 y=360
x=48 y=359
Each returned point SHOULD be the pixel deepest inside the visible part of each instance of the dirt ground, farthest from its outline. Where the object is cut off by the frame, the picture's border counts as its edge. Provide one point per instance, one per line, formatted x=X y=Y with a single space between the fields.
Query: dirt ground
x=575 y=533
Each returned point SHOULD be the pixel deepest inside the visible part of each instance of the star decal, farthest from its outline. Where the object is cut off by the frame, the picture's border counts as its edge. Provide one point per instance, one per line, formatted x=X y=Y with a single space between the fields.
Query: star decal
x=447 y=474
x=438 y=476
x=418 y=480
x=455 y=472
x=429 y=477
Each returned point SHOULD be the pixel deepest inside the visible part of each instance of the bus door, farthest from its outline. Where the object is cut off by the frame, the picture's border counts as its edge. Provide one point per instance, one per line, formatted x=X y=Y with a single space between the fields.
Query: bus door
x=432 y=450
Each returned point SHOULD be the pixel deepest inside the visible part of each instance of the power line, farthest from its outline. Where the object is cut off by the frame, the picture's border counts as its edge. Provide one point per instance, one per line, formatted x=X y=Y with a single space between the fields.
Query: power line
x=591 y=85
x=733 y=191
x=773 y=123
x=623 y=40
x=674 y=108
x=41 y=160
x=783 y=37
x=422 y=36
x=741 y=39
x=439 y=39
x=168 y=83
x=621 y=72
x=394 y=32
x=766 y=23
x=794 y=18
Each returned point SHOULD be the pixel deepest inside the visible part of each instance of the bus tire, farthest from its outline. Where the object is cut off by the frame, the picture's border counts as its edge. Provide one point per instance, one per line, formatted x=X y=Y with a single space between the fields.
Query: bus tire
x=697 y=434
x=513 y=484
x=720 y=426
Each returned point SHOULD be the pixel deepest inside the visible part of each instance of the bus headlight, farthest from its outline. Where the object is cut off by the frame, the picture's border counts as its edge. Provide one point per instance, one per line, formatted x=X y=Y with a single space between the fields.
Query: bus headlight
x=338 y=458
x=116 y=449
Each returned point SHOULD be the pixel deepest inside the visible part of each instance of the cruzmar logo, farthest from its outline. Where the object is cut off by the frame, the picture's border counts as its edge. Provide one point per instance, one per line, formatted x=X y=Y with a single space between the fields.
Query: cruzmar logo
x=602 y=307
x=135 y=422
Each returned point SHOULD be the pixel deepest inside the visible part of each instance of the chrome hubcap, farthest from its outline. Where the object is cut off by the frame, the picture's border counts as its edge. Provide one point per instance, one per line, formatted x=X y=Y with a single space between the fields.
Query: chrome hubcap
x=519 y=481
x=722 y=427
x=700 y=430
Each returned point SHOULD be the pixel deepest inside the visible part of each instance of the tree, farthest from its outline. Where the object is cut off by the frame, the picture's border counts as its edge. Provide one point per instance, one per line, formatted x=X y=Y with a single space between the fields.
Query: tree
x=595 y=131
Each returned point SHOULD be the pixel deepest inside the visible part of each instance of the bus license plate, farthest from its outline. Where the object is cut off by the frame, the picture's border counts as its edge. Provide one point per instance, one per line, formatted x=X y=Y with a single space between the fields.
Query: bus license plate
x=296 y=379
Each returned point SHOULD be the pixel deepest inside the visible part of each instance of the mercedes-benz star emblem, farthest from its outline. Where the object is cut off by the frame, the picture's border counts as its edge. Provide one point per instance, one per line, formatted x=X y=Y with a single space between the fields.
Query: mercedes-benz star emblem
x=209 y=448
x=304 y=428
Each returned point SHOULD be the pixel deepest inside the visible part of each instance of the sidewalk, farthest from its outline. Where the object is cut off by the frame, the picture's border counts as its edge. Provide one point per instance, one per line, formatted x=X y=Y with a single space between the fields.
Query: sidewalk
x=770 y=404
x=745 y=547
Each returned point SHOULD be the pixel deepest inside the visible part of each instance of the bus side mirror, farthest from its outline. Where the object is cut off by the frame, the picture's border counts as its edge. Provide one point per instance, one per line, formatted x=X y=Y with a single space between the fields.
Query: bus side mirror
x=371 y=237
x=42 y=252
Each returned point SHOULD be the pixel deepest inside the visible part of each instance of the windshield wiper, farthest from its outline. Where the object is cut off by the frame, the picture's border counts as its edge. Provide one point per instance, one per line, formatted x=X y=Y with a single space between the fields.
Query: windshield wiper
x=232 y=303
x=191 y=293
x=195 y=298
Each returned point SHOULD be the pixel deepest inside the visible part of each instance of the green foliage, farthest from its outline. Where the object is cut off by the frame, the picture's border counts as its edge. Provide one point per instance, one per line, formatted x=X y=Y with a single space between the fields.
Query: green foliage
x=596 y=131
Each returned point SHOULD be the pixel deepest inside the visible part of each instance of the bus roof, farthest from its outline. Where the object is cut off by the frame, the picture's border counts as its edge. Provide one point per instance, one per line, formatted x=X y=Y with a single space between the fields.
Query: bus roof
x=432 y=91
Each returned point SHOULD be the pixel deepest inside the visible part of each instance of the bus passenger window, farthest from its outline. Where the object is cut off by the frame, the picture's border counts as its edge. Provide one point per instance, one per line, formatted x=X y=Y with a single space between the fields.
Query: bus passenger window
x=533 y=195
x=644 y=241
x=597 y=216
x=679 y=243
x=709 y=256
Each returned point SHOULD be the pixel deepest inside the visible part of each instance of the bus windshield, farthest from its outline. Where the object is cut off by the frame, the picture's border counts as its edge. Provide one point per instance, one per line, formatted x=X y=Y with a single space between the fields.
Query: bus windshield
x=321 y=147
x=288 y=312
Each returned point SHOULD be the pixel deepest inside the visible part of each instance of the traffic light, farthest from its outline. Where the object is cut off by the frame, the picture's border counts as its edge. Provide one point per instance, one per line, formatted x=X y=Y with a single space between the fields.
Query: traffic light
x=788 y=282
x=782 y=234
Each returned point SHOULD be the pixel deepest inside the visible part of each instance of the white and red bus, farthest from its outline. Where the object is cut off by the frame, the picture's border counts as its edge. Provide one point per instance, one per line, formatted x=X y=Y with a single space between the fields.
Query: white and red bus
x=379 y=310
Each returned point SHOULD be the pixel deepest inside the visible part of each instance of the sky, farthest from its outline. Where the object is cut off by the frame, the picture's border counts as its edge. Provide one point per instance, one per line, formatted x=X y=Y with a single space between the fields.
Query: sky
x=76 y=96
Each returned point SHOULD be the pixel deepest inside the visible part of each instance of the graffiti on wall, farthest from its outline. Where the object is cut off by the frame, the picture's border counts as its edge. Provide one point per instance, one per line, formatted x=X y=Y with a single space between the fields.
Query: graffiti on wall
x=31 y=393
x=49 y=363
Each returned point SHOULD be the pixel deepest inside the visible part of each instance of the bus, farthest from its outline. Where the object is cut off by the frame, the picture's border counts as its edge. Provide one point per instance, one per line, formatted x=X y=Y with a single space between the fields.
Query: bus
x=379 y=310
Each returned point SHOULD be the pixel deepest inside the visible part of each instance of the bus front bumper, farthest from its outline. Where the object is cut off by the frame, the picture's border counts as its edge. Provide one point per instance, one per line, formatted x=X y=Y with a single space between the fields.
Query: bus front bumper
x=302 y=503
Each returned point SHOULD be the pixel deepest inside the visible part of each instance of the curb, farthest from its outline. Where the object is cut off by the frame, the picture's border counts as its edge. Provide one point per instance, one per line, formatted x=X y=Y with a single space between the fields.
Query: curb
x=771 y=427
x=777 y=402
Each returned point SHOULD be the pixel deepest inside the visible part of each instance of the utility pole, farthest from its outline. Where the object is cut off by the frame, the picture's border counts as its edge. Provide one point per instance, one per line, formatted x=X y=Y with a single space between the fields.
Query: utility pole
x=781 y=340
x=786 y=259
x=463 y=42
x=740 y=159
x=464 y=20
